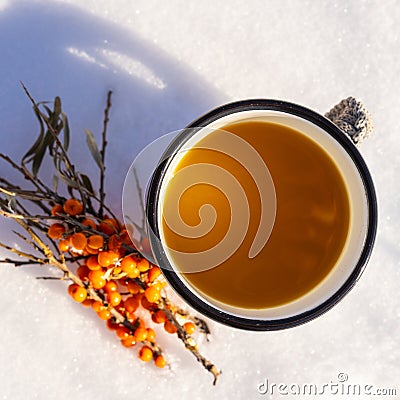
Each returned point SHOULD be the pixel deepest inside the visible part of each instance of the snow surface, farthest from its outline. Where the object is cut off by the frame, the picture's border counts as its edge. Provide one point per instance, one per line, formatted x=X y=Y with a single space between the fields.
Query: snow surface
x=169 y=62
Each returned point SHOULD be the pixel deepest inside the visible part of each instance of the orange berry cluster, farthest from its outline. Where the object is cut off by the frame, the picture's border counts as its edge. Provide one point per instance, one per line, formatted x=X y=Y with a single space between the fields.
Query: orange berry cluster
x=123 y=279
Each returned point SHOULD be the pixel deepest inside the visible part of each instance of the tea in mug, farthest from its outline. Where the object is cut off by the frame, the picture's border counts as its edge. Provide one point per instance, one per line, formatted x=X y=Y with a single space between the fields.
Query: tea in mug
x=310 y=228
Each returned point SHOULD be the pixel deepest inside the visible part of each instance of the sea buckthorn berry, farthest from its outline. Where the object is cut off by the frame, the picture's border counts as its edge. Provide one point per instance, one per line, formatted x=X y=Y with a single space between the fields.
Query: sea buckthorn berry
x=71 y=287
x=97 y=279
x=124 y=237
x=78 y=241
x=107 y=258
x=133 y=274
x=114 y=243
x=95 y=242
x=151 y=334
x=114 y=298
x=91 y=251
x=140 y=334
x=108 y=227
x=170 y=327
x=147 y=304
x=153 y=317
x=57 y=209
x=135 y=243
x=112 y=324
x=133 y=287
x=138 y=296
x=160 y=317
x=131 y=304
x=139 y=323
x=120 y=307
x=129 y=228
x=64 y=245
x=97 y=306
x=145 y=353
x=111 y=286
x=117 y=224
x=145 y=243
x=104 y=314
x=122 y=281
x=104 y=259
x=83 y=272
x=128 y=341
x=92 y=263
x=73 y=207
x=122 y=332
x=152 y=293
x=131 y=318
x=143 y=265
x=159 y=285
x=55 y=231
x=89 y=223
x=115 y=255
x=153 y=273
x=160 y=362
x=77 y=292
x=87 y=303
x=128 y=264
x=189 y=327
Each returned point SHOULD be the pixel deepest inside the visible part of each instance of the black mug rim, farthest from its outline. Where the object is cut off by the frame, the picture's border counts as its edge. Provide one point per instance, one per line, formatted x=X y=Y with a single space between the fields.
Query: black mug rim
x=171 y=276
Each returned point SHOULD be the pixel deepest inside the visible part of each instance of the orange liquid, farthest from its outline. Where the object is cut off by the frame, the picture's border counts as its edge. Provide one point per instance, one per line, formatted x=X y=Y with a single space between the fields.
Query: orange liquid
x=311 y=225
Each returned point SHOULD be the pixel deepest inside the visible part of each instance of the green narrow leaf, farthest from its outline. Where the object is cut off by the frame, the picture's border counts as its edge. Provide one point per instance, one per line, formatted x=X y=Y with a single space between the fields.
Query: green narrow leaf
x=39 y=139
x=67 y=181
x=37 y=159
x=55 y=115
x=49 y=112
x=91 y=142
x=87 y=183
x=57 y=106
x=70 y=191
x=55 y=183
x=41 y=151
x=66 y=131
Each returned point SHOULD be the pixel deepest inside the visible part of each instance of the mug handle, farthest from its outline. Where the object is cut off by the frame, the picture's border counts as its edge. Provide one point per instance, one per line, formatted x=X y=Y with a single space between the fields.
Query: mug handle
x=351 y=117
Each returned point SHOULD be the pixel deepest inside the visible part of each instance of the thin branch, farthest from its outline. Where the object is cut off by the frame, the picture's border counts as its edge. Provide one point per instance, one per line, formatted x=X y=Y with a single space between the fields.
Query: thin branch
x=26 y=240
x=18 y=263
x=105 y=207
x=51 y=278
x=103 y=152
x=23 y=254
x=21 y=217
x=26 y=194
x=30 y=178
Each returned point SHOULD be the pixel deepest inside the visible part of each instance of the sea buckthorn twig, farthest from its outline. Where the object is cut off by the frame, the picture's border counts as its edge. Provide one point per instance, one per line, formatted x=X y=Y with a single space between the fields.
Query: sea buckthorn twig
x=189 y=342
x=94 y=251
